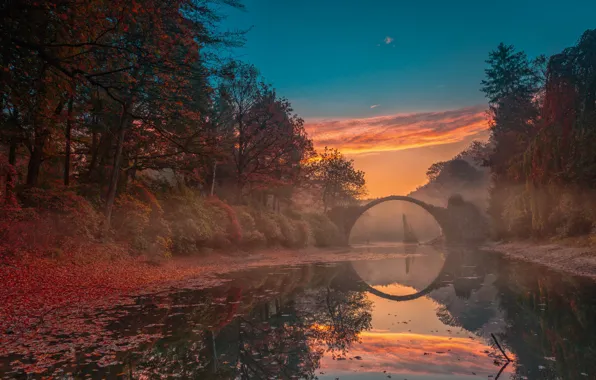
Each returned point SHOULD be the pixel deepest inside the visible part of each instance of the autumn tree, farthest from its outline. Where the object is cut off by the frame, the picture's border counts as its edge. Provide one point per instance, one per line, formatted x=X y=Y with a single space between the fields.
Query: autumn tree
x=119 y=69
x=510 y=87
x=336 y=179
x=266 y=140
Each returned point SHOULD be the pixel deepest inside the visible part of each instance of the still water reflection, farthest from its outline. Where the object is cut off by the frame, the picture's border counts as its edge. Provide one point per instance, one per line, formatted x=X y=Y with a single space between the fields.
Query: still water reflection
x=427 y=315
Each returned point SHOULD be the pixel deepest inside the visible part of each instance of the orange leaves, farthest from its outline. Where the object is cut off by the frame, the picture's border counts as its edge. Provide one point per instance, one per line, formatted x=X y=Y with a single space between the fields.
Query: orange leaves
x=41 y=299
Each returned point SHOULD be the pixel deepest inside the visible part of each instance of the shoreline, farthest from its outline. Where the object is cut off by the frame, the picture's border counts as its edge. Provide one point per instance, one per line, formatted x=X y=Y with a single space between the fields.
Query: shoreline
x=578 y=261
x=32 y=290
x=41 y=299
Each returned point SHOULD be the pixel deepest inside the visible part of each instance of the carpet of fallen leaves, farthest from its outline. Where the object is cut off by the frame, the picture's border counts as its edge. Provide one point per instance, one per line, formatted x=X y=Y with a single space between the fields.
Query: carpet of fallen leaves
x=31 y=291
x=50 y=307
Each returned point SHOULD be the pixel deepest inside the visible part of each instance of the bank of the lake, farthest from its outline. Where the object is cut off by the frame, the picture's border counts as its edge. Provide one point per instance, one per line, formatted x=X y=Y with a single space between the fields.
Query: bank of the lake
x=39 y=290
x=570 y=257
x=542 y=318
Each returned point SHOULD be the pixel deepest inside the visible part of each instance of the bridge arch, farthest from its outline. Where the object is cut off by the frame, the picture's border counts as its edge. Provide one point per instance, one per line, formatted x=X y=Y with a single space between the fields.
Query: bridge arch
x=346 y=217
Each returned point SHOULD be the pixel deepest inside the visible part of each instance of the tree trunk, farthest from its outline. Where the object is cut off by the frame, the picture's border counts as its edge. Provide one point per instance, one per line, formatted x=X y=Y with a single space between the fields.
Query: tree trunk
x=10 y=181
x=100 y=155
x=111 y=196
x=213 y=179
x=96 y=143
x=240 y=158
x=239 y=189
x=12 y=153
x=94 y=151
x=67 y=146
x=39 y=142
x=6 y=184
x=35 y=162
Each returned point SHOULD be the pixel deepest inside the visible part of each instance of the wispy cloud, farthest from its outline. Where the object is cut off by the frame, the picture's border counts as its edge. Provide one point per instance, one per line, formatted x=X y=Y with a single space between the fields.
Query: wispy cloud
x=399 y=131
x=416 y=354
x=374 y=105
x=388 y=40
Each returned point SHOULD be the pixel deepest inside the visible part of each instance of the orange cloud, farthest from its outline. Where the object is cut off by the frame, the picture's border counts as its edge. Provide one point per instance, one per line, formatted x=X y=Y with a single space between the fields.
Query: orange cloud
x=400 y=131
x=416 y=354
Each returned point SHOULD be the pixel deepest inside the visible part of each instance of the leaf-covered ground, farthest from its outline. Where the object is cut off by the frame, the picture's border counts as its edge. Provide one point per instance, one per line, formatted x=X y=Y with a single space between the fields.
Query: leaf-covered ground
x=52 y=307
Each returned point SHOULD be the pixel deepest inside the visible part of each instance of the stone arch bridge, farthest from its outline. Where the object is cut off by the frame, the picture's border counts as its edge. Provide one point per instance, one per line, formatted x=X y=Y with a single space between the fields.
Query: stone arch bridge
x=460 y=221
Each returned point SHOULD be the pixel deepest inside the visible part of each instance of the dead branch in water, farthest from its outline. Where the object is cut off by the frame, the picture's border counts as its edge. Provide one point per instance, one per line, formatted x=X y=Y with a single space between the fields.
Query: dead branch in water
x=500 y=348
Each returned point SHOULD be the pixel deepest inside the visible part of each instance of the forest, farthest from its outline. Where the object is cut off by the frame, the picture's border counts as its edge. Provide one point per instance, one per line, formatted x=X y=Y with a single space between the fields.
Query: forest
x=126 y=126
x=543 y=124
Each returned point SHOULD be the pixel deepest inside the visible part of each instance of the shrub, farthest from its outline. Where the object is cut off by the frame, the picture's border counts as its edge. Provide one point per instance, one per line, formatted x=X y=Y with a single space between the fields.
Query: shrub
x=288 y=230
x=49 y=220
x=139 y=219
x=130 y=217
x=234 y=231
x=303 y=231
x=325 y=232
x=268 y=226
x=251 y=236
x=572 y=215
x=71 y=214
x=576 y=224
x=143 y=194
x=199 y=223
x=191 y=223
x=305 y=235
x=516 y=217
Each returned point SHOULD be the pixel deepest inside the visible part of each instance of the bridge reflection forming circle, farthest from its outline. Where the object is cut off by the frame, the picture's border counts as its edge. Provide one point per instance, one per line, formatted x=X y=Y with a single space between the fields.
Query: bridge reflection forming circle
x=439 y=281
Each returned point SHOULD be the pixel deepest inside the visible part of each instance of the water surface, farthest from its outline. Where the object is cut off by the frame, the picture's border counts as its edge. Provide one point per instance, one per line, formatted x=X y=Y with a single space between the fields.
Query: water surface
x=428 y=314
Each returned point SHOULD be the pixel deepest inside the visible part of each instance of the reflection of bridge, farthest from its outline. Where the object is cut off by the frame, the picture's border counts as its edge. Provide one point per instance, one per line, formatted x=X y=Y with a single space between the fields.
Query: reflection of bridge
x=449 y=273
x=451 y=219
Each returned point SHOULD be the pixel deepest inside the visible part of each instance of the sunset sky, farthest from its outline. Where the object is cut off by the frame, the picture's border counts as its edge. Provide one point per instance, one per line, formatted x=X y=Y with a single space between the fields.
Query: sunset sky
x=409 y=341
x=395 y=84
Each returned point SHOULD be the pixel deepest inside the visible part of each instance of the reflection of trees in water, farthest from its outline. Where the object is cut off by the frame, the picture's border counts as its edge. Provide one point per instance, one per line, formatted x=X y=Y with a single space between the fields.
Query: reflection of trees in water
x=336 y=317
x=278 y=334
x=278 y=325
x=275 y=347
x=468 y=299
x=548 y=318
x=288 y=342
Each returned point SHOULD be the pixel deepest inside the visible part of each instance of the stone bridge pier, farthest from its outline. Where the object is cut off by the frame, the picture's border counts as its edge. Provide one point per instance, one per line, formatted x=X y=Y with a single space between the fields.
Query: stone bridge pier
x=460 y=221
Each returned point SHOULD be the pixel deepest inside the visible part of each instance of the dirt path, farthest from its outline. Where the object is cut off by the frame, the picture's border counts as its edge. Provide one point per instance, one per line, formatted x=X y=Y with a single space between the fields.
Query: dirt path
x=575 y=260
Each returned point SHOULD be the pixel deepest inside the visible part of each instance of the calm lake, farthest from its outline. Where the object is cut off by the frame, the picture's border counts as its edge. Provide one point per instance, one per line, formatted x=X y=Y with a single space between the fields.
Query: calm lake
x=429 y=314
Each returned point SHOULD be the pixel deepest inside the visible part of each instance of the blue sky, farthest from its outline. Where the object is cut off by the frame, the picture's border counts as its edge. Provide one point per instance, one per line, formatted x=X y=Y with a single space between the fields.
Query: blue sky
x=335 y=59
x=330 y=58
